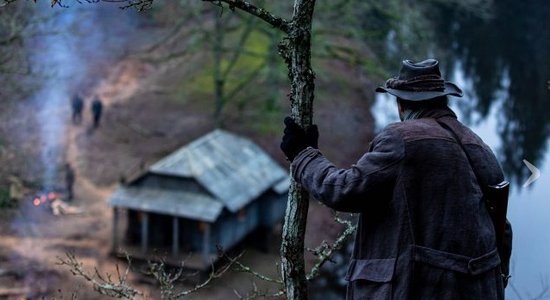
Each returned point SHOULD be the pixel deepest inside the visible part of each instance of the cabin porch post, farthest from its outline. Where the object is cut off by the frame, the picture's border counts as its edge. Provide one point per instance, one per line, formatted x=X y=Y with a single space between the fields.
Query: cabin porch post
x=175 y=236
x=206 y=244
x=114 y=241
x=144 y=232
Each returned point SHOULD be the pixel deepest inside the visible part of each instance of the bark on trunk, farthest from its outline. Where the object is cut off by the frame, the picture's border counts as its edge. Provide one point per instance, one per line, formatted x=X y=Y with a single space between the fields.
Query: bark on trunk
x=297 y=54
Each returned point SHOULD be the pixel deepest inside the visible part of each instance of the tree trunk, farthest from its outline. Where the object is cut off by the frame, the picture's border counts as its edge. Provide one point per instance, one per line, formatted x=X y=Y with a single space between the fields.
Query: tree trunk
x=219 y=82
x=297 y=54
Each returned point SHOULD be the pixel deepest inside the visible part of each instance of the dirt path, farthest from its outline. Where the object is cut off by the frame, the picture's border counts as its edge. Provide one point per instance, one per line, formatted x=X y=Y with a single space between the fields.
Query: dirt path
x=31 y=244
x=84 y=185
x=30 y=252
x=33 y=248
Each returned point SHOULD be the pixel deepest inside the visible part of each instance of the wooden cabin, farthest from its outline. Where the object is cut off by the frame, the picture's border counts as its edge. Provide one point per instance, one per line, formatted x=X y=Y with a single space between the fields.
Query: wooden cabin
x=212 y=192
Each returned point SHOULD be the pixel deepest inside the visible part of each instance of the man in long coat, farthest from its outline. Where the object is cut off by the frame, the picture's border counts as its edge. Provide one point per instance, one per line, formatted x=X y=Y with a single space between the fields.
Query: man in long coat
x=424 y=231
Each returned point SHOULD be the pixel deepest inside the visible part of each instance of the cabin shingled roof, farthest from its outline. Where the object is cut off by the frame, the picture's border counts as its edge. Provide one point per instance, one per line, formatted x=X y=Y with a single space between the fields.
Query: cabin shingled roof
x=232 y=168
x=191 y=205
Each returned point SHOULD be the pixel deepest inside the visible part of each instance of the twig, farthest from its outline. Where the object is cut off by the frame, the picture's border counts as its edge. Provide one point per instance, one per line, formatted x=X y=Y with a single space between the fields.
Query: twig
x=103 y=285
x=243 y=268
x=256 y=293
x=166 y=279
x=325 y=251
x=240 y=46
x=214 y=274
x=261 y=13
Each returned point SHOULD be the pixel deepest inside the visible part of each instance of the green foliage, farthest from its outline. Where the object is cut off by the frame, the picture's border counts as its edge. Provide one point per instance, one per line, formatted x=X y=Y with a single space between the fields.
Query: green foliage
x=267 y=128
x=369 y=37
x=376 y=35
x=5 y=201
x=253 y=57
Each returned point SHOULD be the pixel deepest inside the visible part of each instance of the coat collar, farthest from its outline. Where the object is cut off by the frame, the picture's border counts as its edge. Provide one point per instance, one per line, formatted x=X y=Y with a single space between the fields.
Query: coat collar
x=437 y=113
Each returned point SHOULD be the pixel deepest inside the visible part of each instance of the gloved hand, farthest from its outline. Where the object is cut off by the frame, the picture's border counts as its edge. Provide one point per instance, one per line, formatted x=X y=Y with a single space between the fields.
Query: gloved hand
x=296 y=139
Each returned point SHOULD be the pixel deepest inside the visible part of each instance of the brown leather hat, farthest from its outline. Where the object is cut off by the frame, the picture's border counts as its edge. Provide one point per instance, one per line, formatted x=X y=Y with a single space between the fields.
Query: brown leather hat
x=419 y=81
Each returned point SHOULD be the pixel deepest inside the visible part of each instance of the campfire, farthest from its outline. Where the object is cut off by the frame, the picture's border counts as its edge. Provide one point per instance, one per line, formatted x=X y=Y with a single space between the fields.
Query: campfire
x=45 y=198
x=53 y=201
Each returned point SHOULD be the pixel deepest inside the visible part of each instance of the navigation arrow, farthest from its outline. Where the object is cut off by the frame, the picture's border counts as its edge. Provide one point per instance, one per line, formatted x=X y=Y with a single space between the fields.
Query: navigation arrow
x=535 y=173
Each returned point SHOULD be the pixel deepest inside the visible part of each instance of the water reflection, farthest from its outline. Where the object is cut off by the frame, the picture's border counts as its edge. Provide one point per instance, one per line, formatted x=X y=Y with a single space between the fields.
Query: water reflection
x=502 y=63
x=509 y=51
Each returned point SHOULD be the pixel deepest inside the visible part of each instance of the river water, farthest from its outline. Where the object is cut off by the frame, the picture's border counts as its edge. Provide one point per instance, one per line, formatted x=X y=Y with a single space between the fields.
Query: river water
x=529 y=207
x=502 y=66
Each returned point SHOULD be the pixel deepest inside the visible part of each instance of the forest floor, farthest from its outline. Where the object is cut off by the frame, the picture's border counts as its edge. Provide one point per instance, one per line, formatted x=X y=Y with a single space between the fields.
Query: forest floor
x=141 y=124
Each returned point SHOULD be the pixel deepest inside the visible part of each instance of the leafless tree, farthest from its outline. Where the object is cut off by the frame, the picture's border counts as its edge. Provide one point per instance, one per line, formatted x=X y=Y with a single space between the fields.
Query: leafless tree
x=19 y=24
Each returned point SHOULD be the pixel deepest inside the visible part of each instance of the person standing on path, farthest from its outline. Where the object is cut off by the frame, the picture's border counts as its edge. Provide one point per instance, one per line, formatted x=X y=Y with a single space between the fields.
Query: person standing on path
x=69 y=181
x=77 y=104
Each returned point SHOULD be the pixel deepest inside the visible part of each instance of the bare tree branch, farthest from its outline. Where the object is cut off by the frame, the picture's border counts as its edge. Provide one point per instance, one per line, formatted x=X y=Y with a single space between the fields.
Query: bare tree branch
x=253 y=74
x=214 y=274
x=240 y=46
x=104 y=284
x=325 y=251
x=256 y=293
x=242 y=268
x=259 y=12
x=167 y=279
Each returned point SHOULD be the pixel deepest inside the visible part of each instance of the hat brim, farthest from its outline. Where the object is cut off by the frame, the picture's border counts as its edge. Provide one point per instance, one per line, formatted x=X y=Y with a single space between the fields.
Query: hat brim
x=450 y=90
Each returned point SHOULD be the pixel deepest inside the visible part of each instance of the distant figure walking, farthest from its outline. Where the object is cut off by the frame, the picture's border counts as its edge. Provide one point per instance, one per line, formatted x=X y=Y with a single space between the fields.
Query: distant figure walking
x=77 y=104
x=69 y=181
x=97 y=108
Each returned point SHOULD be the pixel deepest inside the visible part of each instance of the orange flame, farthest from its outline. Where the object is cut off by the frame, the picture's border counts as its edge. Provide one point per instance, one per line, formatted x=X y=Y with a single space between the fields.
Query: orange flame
x=36 y=202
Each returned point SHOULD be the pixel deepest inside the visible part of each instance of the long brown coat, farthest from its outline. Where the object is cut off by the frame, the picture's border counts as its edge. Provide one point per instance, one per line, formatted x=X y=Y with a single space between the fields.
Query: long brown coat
x=424 y=231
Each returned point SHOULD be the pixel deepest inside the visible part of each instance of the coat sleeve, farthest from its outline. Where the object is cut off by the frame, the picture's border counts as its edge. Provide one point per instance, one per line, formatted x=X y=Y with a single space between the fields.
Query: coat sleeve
x=349 y=189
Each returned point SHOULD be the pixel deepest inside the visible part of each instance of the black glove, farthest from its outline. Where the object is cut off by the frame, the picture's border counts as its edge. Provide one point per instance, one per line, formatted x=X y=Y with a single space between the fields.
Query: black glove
x=296 y=139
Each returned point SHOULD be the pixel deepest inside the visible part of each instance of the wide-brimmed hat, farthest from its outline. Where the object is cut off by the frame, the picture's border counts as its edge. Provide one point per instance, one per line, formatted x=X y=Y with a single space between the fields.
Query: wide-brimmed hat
x=419 y=81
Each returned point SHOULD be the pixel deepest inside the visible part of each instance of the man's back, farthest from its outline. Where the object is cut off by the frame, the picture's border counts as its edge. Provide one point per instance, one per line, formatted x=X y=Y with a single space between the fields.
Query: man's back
x=423 y=231
x=445 y=199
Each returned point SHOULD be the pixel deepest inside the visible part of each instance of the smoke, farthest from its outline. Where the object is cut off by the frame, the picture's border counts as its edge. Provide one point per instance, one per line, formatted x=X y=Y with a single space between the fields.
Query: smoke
x=62 y=64
x=72 y=55
x=72 y=52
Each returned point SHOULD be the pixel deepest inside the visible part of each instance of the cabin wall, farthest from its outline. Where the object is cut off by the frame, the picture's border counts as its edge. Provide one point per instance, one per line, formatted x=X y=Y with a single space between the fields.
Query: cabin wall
x=133 y=229
x=160 y=231
x=272 y=208
x=227 y=231
x=190 y=235
x=232 y=228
